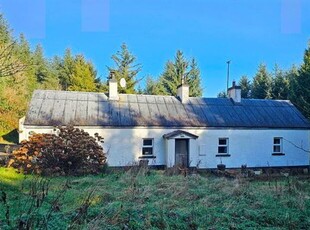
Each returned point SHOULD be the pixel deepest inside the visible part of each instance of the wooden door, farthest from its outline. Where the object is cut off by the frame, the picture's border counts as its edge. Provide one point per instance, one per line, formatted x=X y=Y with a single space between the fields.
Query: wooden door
x=181 y=152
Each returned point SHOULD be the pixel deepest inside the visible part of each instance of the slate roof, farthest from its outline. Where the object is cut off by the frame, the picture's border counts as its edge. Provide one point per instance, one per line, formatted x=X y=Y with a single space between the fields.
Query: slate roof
x=49 y=107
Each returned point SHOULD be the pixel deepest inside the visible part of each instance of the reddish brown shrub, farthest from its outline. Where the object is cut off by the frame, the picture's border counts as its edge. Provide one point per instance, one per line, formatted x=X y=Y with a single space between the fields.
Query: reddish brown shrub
x=72 y=152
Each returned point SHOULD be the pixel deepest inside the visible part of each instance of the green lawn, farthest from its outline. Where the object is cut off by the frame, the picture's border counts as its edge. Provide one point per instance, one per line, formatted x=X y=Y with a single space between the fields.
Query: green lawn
x=151 y=200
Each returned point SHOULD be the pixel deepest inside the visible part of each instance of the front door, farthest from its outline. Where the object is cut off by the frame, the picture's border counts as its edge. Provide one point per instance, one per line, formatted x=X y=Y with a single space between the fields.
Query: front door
x=181 y=152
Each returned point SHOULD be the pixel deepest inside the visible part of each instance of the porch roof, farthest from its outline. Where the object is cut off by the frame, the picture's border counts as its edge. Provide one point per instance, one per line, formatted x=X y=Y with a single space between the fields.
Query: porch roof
x=179 y=132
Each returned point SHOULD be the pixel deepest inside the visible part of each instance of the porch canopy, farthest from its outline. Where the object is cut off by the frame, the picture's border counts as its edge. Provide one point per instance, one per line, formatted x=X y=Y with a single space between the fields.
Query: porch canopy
x=180 y=134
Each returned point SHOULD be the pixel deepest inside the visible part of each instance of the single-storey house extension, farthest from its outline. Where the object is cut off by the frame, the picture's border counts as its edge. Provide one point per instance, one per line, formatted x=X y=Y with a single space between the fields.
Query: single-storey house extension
x=173 y=130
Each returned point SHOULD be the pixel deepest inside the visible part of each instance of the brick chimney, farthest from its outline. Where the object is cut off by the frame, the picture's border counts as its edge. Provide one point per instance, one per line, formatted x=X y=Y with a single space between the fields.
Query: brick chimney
x=113 y=92
x=234 y=92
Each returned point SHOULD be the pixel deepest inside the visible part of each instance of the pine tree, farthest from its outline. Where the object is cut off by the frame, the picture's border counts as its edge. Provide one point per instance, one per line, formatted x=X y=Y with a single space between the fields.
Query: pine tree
x=300 y=88
x=291 y=75
x=5 y=31
x=23 y=49
x=261 y=83
x=180 y=70
x=280 y=85
x=194 y=80
x=139 y=90
x=153 y=87
x=222 y=94
x=246 y=87
x=51 y=79
x=171 y=77
x=40 y=64
x=127 y=68
x=24 y=56
x=74 y=73
x=83 y=76
x=65 y=69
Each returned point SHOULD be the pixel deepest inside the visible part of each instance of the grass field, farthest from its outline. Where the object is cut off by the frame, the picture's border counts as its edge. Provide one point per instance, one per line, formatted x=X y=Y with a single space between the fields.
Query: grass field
x=142 y=199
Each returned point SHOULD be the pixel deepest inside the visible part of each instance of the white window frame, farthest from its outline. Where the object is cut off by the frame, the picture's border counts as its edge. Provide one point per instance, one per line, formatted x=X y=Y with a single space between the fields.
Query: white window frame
x=280 y=145
x=223 y=145
x=148 y=146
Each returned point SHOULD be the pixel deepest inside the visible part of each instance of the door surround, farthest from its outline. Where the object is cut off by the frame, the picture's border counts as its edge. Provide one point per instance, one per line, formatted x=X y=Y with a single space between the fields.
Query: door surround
x=171 y=142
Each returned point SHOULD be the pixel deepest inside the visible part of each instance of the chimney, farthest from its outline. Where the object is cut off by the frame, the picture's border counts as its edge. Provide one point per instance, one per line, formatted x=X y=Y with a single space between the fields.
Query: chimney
x=183 y=92
x=234 y=92
x=113 y=93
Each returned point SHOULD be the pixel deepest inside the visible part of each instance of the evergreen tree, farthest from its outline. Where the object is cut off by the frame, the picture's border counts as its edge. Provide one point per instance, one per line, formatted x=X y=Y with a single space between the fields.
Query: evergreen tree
x=127 y=68
x=24 y=56
x=140 y=90
x=261 y=83
x=153 y=87
x=74 y=73
x=222 y=94
x=5 y=31
x=171 y=77
x=291 y=75
x=65 y=68
x=180 y=70
x=194 y=80
x=101 y=86
x=51 y=74
x=83 y=76
x=51 y=81
x=300 y=90
x=40 y=64
x=246 y=87
x=23 y=49
x=150 y=86
x=280 y=85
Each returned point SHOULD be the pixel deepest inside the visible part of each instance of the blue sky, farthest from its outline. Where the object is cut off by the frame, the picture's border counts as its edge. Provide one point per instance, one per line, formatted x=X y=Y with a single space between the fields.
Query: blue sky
x=213 y=31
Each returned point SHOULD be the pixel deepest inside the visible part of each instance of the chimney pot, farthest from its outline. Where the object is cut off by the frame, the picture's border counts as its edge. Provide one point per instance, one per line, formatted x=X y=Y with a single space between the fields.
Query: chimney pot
x=112 y=74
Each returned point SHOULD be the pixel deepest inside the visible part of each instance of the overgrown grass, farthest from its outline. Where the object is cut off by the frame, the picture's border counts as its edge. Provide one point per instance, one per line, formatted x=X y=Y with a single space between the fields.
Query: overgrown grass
x=151 y=200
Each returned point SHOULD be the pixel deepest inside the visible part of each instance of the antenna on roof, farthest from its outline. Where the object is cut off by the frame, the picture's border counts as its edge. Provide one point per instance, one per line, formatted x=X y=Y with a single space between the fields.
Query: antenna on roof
x=228 y=62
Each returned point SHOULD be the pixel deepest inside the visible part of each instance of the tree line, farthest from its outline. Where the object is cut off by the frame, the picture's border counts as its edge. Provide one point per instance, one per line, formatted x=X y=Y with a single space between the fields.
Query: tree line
x=22 y=70
x=292 y=84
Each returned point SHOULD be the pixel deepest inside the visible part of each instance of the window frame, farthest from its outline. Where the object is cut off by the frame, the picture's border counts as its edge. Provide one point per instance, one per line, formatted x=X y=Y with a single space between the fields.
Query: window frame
x=147 y=146
x=219 y=145
x=277 y=145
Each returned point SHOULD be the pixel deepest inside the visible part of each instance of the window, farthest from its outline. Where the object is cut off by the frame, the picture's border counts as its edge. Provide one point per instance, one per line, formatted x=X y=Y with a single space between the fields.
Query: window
x=277 y=145
x=147 y=148
x=223 y=146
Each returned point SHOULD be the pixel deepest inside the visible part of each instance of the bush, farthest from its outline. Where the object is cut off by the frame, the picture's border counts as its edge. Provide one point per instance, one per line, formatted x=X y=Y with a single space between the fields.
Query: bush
x=72 y=152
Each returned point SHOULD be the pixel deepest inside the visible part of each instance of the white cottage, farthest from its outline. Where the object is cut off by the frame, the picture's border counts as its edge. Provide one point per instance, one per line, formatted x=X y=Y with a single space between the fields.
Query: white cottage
x=167 y=130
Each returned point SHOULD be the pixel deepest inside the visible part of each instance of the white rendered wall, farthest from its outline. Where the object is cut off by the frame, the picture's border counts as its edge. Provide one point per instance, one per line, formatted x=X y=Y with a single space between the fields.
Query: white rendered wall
x=251 y=147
